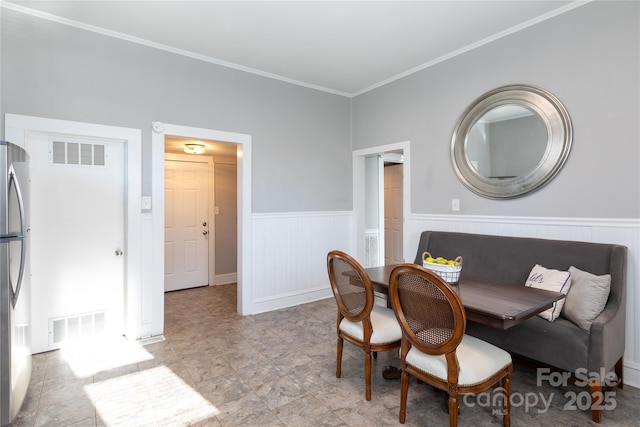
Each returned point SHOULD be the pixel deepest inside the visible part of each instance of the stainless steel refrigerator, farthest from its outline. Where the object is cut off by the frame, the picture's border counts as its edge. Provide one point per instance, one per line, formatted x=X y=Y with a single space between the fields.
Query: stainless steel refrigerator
x=15 y=304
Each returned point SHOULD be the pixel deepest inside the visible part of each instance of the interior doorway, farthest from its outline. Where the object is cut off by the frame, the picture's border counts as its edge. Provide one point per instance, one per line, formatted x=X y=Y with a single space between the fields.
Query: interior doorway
x=200 y=213
x=379 y=240
x=241 y=144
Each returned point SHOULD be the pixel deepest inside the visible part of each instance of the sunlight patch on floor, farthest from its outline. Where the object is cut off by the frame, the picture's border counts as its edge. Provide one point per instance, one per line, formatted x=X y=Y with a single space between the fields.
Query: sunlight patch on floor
x=89 y=356
x=141 y=398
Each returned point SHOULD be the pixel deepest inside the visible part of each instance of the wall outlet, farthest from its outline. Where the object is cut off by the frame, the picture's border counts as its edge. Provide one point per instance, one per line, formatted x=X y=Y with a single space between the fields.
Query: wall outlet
x=455 y=205
x=146 y=202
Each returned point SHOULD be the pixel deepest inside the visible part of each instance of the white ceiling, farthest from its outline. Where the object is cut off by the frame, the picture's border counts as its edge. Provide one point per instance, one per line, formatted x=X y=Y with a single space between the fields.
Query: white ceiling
x=342 y=47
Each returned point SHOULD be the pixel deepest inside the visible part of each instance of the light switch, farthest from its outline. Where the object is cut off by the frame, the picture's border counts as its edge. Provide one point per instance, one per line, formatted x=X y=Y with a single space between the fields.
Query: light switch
x=455 y=205
x=216 y=210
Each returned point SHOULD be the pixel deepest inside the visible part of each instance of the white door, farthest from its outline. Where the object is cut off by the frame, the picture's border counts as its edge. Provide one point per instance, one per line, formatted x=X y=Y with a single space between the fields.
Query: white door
x=77 y=217
x=393 y=214
x=186 y=222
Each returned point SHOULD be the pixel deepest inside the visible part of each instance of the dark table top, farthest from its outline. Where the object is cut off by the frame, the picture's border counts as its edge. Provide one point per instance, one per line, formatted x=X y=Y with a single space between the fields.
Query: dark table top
x=498 y=304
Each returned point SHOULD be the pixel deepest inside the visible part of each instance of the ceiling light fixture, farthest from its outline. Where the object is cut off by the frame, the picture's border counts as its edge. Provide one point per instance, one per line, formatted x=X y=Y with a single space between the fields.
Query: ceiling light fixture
x=194 y=148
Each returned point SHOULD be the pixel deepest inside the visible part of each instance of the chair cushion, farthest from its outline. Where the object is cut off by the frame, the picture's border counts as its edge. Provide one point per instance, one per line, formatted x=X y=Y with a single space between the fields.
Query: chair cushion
x=385 y=326
x=478 y=361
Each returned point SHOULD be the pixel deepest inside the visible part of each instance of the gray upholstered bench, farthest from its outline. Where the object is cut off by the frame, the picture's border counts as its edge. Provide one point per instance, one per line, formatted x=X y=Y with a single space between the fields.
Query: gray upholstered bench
x=586 y=353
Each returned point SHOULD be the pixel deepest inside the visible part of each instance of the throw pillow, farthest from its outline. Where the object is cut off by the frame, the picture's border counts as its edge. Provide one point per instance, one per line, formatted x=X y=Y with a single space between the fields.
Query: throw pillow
x=587 y=297
x=551 y=280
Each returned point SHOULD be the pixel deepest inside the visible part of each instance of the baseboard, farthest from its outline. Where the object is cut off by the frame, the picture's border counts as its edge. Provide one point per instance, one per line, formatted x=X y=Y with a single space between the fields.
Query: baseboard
x=278 y=302
x=631 y=374
x=223 y=279
x=150 y=340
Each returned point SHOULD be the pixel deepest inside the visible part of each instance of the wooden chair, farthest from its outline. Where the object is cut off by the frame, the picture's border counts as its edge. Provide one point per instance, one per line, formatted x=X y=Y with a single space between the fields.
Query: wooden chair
x=435 y=348
x=362 y=323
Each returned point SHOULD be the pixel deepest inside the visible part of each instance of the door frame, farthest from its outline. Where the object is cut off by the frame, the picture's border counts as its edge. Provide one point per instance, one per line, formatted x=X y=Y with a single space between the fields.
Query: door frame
x=211 y=200
x=16 y=128
x=359 y=184
x=243 y=142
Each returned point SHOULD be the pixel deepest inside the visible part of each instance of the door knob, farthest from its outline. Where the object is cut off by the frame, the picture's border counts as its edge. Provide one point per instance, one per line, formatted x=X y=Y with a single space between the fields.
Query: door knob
x=204 y=224
x=205 y=232
x=119 y=252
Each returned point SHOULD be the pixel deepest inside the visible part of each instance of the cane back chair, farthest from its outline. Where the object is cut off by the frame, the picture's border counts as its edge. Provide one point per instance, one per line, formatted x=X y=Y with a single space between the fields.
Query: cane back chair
x=435 y=348
x=360 y=321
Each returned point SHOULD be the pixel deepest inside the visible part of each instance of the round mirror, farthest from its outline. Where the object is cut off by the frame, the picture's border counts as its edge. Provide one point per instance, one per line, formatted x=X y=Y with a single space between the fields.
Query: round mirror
x=511 y=141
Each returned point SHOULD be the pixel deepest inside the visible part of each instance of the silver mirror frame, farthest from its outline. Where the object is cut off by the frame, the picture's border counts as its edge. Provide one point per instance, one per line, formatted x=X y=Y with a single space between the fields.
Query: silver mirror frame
x=559 y=132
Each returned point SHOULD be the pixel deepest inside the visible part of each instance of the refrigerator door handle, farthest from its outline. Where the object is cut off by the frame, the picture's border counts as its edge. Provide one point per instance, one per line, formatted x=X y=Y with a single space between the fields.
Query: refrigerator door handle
x=23 y=238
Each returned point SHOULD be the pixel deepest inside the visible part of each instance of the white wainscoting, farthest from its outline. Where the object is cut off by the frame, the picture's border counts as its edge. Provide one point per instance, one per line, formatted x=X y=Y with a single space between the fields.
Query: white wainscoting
x=151 y=297
x=619 y=231
x=289 y=259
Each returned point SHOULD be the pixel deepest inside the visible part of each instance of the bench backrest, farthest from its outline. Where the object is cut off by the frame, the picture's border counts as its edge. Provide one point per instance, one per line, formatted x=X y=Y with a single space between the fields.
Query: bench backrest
x=510 y=259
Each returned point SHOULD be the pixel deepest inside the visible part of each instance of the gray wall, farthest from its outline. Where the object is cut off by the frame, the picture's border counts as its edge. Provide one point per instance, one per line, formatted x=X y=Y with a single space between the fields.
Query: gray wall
x=55 y=71
x=227 y=219
x=588 y=58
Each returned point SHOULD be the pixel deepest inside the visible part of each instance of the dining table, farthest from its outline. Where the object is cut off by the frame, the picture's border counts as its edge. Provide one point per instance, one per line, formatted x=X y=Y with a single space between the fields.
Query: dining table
x=498 y=304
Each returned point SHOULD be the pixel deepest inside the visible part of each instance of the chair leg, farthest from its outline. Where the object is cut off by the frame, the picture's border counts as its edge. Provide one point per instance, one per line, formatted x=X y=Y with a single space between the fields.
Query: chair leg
x=404 y=391
x=367 y=373
x=453 y=411
x=595 y=387
x=506 y=385
x=339 y=358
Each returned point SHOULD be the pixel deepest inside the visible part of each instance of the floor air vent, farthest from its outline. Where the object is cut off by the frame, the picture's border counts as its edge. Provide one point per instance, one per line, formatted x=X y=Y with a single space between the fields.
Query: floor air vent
x=68 y=328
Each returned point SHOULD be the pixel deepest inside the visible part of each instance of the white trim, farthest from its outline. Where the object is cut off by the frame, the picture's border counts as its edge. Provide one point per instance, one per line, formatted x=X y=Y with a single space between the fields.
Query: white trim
x=243 y=141
x=292 y=299
x=631 y=373
x=16 y=126
x=212 y=222
x=224 y=279
x=531 y=220
x=359 y=187
x=382 y=235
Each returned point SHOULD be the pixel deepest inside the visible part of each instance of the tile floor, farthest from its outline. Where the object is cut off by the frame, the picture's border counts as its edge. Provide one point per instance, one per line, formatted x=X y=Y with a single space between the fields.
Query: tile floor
x=217 y=368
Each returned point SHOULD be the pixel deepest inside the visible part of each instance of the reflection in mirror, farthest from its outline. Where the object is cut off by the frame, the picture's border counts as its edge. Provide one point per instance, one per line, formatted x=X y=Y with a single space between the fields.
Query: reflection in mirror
x=511 y=141
x=506 y=142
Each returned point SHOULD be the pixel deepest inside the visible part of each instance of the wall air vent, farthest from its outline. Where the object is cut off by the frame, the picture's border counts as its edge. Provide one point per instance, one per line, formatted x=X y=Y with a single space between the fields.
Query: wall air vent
x=371 y=253
x=77 y=153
